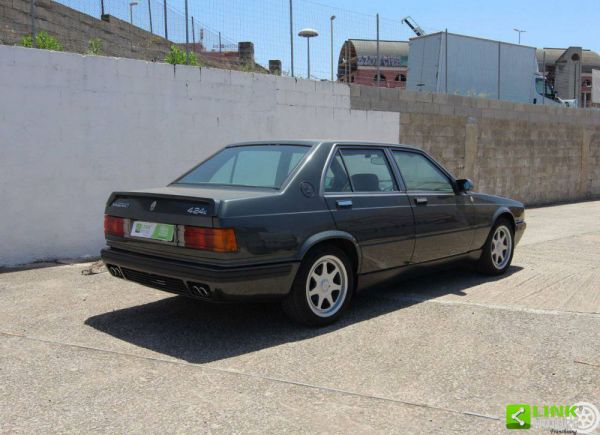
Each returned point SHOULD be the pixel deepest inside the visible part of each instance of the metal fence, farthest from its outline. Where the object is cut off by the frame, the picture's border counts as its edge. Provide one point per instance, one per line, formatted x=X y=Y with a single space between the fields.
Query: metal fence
x=272 y=25
x=162 y=18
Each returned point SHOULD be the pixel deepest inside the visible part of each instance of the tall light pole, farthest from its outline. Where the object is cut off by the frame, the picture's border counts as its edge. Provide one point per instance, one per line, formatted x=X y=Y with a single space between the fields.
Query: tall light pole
x=331 y=33
x=131 y=5
x=519 y=31
x=308 y=33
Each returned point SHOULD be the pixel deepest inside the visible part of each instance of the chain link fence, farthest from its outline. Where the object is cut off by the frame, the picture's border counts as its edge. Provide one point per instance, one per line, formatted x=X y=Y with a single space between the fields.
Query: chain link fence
x=211 y=29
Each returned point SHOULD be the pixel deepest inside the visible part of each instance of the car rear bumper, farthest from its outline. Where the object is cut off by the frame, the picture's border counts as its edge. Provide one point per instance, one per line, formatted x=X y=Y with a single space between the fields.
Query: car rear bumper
x=519 y=230
x=202 y=281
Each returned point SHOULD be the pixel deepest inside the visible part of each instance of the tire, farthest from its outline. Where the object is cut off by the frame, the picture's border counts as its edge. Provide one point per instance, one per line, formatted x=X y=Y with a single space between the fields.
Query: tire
x=498 y=249
x=322 y=288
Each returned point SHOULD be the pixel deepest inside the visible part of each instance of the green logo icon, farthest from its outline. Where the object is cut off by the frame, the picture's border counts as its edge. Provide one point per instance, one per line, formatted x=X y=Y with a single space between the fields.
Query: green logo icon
x=518 y=416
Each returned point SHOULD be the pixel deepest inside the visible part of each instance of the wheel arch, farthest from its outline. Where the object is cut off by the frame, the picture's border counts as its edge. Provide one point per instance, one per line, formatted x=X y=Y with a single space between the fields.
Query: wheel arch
x=504 y=212
x=343 y=240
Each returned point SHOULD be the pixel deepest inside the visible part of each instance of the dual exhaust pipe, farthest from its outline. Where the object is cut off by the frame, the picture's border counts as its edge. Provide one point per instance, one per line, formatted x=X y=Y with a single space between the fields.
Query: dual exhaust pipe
x=196 y=289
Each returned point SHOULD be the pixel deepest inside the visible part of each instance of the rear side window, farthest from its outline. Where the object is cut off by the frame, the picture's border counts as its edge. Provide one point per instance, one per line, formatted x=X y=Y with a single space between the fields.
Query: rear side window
x=336 y=178
x=251 y=166
x=421 y=174
x=368 y=170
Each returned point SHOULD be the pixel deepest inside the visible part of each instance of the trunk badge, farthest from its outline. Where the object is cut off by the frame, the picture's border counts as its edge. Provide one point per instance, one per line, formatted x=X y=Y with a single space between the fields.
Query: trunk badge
x=153 y=206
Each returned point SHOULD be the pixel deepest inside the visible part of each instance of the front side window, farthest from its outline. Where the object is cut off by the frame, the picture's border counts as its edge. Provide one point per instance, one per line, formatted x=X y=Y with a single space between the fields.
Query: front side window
x=251 y=166
x=421 y=174
x=368 y=170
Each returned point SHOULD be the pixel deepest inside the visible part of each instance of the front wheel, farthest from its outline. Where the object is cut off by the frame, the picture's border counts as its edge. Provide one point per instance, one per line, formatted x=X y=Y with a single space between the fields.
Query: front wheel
x=498 y=250
x=322 y=288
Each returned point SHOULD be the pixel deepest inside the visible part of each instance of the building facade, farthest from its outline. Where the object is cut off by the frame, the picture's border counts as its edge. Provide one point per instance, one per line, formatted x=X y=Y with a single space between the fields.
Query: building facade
x=570 y=71
x=358 y=63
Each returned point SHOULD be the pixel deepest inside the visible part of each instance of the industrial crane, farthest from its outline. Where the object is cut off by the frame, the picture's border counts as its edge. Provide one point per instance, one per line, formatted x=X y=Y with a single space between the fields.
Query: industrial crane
x=413 y=26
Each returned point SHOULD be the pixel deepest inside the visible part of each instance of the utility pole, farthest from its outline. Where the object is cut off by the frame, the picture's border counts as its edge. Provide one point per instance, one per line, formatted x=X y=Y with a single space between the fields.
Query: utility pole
x=101 y=8
x=331 y=34
x=165 y=14
x=150 y=15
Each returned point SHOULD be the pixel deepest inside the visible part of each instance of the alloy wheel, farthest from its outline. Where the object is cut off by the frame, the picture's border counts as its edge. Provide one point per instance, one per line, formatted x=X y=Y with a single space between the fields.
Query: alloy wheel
x=501 y=247
x=327 y=286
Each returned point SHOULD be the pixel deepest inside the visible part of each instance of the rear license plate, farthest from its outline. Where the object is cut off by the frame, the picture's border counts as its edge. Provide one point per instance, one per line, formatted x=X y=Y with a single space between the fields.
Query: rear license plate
x=154 y=231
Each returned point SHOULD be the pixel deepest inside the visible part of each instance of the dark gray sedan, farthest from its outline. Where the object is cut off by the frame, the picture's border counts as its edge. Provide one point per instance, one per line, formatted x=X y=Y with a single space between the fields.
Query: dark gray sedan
x=309 y=222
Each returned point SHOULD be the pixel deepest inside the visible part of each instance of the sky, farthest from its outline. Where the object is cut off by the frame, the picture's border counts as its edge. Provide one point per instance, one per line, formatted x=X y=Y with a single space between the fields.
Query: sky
x=551 y=23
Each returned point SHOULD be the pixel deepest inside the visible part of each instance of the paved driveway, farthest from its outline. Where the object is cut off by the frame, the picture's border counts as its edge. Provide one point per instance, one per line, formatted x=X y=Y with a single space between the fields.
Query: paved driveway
x=441 y=352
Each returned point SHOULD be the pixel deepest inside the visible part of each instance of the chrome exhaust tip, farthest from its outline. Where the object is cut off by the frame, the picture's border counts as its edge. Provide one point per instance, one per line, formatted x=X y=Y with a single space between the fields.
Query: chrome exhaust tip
x=200 y=290
x=115 y=271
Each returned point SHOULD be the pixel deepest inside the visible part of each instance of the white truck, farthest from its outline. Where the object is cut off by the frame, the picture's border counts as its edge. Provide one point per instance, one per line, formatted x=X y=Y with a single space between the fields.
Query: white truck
x=463 y=65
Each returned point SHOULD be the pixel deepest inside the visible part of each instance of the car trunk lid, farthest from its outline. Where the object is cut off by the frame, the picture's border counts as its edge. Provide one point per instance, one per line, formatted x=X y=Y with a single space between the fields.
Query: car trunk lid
x=179 y=207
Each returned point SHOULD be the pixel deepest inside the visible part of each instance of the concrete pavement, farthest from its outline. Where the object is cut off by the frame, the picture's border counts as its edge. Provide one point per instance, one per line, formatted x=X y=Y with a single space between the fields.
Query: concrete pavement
x=444 y=351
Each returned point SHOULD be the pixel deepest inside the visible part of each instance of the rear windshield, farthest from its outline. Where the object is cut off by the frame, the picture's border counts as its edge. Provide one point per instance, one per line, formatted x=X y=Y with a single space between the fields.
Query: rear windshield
x=252 y=166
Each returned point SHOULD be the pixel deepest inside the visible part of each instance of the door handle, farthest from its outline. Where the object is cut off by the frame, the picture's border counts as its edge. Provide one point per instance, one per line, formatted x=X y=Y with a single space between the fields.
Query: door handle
x=344 y=203
x=421 y=201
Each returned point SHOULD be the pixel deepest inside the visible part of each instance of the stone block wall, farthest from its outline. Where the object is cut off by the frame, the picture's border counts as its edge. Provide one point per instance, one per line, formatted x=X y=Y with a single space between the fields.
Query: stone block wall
x=74 y=30
x=535 y=153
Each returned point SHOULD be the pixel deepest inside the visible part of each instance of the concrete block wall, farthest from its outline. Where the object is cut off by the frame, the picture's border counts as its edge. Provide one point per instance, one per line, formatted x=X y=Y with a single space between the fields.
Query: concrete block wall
x=74 y=29
x=74 y=128
x=535 y=153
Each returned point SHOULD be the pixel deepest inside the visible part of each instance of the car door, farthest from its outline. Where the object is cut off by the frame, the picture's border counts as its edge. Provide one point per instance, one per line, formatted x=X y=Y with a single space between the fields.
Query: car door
x=366 y=200
x=443 y=217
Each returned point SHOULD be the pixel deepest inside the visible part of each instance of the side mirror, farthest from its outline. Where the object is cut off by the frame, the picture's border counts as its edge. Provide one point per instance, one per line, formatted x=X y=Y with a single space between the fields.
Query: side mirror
x=464 y=185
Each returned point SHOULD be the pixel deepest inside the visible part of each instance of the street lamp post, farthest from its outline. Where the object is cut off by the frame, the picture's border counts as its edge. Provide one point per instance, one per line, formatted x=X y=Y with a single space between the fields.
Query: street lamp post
x=519 y=31
x=308 y=33
x=131 y=5
x=331 y=32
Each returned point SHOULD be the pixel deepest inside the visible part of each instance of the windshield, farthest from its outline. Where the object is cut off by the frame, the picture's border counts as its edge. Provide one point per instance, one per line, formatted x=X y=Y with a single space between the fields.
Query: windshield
x=547 y=90
x=252 y=166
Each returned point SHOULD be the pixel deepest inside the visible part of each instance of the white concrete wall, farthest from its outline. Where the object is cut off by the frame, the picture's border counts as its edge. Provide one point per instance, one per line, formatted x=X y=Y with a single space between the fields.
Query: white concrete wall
x=74 y=128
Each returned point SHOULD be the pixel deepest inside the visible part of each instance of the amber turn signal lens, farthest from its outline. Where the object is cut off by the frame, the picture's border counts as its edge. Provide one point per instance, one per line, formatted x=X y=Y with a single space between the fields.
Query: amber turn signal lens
x=210 y=239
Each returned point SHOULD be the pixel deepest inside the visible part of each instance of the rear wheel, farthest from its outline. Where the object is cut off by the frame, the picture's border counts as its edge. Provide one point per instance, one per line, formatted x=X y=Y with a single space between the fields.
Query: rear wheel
x=322 y=289
x=498 y=250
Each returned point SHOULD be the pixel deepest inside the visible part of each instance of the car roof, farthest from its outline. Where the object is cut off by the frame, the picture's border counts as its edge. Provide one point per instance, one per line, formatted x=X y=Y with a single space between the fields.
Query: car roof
x=314 y=142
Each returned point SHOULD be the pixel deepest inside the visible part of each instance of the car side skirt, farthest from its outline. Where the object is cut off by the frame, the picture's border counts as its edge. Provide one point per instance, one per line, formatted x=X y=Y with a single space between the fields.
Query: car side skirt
x=387 y=276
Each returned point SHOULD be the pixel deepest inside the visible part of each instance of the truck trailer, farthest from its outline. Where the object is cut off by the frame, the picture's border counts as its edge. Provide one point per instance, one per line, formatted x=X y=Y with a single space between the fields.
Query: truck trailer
x=463 y=65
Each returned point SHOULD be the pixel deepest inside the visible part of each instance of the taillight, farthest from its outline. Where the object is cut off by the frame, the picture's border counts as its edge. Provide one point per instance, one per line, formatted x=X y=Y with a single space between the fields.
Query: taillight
x=210 y=239
x=114 y=226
